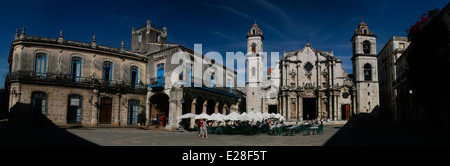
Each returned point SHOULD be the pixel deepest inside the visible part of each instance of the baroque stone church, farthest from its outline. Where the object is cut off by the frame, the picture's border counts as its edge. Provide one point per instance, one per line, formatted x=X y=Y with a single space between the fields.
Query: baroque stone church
x=312 y=84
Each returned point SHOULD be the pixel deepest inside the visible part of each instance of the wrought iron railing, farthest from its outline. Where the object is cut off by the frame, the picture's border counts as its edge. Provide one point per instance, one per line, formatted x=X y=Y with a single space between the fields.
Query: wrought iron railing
x=158 y=81
x=67 y=79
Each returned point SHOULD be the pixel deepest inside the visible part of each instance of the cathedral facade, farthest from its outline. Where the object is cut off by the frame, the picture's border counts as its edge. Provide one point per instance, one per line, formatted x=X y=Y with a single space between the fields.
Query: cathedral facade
x=311 y=83
x=314 y=85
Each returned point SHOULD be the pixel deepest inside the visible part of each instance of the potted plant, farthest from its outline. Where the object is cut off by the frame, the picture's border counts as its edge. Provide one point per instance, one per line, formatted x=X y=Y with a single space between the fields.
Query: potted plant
x=141 y=118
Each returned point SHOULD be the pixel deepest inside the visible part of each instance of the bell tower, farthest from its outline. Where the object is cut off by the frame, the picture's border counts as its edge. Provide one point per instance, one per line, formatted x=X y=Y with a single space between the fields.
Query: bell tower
x=365 y=69
x=254 y=61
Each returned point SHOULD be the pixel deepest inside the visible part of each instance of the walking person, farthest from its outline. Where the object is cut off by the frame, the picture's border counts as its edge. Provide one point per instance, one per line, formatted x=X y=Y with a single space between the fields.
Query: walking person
x=205 y=130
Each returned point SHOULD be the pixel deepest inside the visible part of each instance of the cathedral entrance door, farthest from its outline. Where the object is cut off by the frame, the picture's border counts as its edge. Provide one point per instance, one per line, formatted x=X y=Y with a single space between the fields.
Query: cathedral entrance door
x=309 y=108
x=345 y=112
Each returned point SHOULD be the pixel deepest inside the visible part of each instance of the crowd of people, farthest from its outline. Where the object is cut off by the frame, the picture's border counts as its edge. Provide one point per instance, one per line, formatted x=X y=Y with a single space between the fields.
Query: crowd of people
x=203 y=124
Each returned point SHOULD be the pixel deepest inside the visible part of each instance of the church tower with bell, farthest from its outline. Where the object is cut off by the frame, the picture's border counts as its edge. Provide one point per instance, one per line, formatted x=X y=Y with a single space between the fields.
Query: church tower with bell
x=254 y=61
x=365 y=69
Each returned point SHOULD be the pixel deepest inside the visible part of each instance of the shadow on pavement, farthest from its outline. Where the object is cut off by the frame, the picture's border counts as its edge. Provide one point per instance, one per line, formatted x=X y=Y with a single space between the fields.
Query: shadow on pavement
x=42 y=133
x=388 y=133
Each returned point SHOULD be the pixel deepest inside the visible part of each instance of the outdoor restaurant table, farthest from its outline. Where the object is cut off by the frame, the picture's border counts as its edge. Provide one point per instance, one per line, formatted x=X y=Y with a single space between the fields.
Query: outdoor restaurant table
x=314 y=128
x=289 y=130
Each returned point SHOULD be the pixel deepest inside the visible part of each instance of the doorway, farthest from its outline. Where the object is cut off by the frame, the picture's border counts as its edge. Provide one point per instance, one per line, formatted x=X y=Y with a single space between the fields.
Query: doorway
x=273 y=109
x=74 y=109
x=345 y=111
x=106 y=110
x=38 y=105
x=309 y=108
x=133 y=111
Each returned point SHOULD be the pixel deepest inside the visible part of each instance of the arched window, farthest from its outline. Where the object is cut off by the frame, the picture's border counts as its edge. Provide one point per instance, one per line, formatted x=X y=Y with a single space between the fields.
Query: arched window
x=367 y=72
x=254 y=48
x=366 y=47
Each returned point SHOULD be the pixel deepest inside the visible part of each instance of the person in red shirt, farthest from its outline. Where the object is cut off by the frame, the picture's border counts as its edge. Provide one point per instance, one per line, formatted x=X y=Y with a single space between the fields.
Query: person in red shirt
x=201 y=128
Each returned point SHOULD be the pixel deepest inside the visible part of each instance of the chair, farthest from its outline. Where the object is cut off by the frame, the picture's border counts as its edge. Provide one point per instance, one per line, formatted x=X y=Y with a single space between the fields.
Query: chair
x=296 y=130
x=287 y=132
x=226 y=130
x=307 y=130
x=196 y=128
x=279 y=130
x=320 y=129
x=209 y=130
x=218 y=130
x=246 y=130
x=232 y=131
x=256 y=130
x=272 y=131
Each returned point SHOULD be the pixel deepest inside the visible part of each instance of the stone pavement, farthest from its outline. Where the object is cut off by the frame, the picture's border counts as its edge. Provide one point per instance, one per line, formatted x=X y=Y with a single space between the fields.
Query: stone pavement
x=139 y=137
x=391 y=134
x=384 y=134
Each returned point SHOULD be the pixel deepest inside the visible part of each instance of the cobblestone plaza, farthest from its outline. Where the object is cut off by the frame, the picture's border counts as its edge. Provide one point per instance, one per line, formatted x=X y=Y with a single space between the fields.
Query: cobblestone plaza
x=376 y=134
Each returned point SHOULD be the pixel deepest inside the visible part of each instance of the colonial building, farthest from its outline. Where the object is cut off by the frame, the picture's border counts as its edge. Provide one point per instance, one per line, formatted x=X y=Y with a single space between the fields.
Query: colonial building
x=88 y=84
x=422 y=86
x=387 y=70
x=69 y=82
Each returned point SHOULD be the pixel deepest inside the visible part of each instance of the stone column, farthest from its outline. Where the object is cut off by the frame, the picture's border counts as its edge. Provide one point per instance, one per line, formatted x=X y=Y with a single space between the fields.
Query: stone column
x=338 y=108
x=205 y=106
x=224 y=109
x=286 y=72
x=193 y=107
x=193 y=104
x=116 y=109
x=330 y=103
x=94 y=108
x=319 y=105
x=148 y=115
x=175 y=108
x=329 y=76
x=300 y=108
x=286 y=106
x=335 y=107
x=216 y=108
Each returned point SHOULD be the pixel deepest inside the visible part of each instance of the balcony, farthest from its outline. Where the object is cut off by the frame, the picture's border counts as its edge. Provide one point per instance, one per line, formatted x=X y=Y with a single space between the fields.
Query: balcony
x=157 y=81
x=68 y=80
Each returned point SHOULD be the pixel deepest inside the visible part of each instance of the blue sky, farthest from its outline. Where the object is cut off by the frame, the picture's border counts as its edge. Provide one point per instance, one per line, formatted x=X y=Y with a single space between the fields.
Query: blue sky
x=219 y=25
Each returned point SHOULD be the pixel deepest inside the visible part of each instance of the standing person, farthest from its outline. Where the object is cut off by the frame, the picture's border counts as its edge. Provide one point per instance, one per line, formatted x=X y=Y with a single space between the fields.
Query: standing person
x=205 y=130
